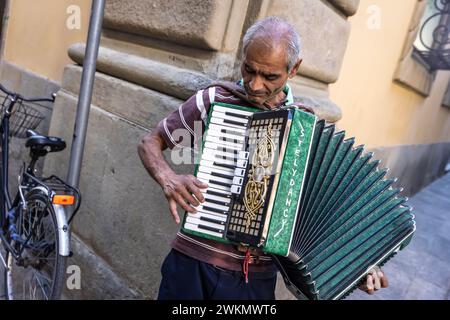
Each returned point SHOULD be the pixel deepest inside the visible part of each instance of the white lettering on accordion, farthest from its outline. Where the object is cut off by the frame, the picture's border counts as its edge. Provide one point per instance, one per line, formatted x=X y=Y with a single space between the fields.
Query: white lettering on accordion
x=292 y=183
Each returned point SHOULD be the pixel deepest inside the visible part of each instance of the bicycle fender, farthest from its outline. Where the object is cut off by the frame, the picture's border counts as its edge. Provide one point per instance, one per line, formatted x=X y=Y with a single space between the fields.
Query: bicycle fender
x=63 y=227
x=63 y=230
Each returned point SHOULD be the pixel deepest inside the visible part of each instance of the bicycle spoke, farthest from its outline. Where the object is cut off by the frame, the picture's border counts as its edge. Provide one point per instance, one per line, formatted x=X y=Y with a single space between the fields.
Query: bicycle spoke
x=40 y=270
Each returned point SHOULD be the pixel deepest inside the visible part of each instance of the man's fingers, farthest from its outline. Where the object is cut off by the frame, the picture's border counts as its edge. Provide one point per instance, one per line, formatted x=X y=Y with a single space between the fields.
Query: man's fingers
x=189 y=198
x=198 y=183
x=384 y=281
x=196 y=192
x=173 y=210
x=179 y=199
x=376 y=281
x=369 y=284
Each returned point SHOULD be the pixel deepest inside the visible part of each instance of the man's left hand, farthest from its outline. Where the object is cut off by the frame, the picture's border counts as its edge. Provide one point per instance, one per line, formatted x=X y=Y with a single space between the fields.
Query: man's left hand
x=375 y=280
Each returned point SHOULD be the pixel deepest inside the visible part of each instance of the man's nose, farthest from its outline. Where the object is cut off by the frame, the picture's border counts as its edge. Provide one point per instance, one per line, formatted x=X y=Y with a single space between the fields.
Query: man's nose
x=256 y=84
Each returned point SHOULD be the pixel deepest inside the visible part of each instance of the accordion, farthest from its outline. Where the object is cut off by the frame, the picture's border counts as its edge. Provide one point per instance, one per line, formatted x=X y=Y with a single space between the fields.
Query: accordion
x=289 y=184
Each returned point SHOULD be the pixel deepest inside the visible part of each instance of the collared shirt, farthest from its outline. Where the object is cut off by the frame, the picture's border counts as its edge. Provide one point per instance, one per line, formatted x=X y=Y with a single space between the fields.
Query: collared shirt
x=192 y=116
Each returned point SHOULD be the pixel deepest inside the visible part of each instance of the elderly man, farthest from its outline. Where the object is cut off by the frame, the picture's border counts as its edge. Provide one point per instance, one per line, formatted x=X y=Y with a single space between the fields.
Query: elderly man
x=198 y=268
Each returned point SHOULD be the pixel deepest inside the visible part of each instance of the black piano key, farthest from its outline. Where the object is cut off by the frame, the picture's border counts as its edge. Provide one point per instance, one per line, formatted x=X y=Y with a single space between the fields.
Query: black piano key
x=222 y=175
x=228 y=150
x=222 y=203
x=236 y=123
x=225 y=157
x=229 y=166
x=212 y=220
x=215 y=193
x=236 y=141
x=209 y=228
x=220 y=183
x=215 y=210
x=231 y=131
x=231 y=114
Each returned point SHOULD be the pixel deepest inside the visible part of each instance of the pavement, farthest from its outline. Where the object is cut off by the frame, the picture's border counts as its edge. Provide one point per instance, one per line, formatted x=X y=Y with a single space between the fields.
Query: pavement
x=422 y=270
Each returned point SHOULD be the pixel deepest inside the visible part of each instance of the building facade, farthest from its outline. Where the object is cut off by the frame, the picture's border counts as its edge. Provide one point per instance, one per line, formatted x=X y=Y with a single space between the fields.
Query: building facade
x=154 y=54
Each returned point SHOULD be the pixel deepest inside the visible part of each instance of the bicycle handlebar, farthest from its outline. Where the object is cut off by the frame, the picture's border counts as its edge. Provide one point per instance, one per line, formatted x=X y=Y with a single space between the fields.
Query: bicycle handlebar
x=20 y=97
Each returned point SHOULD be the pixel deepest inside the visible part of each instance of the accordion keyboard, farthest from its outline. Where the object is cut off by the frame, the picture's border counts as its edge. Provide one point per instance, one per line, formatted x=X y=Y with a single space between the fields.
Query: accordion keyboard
x=222 y=167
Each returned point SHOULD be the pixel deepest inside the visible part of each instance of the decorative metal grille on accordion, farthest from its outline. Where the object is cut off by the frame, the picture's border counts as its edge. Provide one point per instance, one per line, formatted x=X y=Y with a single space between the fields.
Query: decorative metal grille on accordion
x=286 y=183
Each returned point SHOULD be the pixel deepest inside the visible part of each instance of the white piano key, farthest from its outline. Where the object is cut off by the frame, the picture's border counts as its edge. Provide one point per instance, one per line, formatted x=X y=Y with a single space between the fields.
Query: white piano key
x=220 y=153
x=215 y=185
x=220 y=146
x=210 y=170
x=212 y=212
x=239 y=172
x=225 y=116
x=216 y=198
x=224 y=143
x=242 y=154
x=219 y=157
x=242 y=164
x=219 y=133
x=219 y=219
x=210 y=164
x=221 y=122
x=216 y=192
x=237 y=111
x=207 y=165
x=234 y=131
x=206 y=205
x=211 y=154
x=197 y=221
x=194 y=227
x=227 y=163
x=212 y=178
x=236 y=189
x=235 y=180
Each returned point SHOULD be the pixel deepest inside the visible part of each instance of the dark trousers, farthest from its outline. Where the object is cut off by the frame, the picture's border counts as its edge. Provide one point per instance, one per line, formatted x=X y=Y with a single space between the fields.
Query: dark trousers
x=185 y=278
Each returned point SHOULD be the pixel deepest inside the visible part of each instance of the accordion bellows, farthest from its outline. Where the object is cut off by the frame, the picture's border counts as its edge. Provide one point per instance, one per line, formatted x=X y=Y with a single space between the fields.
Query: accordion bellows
x=350 y=219
x=326 y=223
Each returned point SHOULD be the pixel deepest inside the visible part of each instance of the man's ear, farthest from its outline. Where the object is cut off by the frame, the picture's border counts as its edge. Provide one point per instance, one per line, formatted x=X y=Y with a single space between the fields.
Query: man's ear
x=294 y=69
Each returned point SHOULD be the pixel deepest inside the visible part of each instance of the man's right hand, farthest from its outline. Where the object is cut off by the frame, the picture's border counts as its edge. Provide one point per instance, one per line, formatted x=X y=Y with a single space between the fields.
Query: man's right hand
x=183 y=190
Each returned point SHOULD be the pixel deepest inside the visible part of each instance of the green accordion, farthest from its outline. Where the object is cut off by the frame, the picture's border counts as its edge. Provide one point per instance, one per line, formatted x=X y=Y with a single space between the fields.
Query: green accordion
x=286 y=183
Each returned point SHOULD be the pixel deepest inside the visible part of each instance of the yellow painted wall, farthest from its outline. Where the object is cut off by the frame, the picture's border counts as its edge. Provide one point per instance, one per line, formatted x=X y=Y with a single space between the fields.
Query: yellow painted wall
x=37 y=36
x=376 y=110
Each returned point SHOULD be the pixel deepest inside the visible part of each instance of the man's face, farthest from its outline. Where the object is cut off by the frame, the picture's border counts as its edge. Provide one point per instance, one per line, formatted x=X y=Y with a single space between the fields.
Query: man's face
x=264 y=72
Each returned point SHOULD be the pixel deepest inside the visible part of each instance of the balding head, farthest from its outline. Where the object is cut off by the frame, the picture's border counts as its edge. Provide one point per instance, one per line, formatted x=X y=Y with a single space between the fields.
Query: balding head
x=273 y=32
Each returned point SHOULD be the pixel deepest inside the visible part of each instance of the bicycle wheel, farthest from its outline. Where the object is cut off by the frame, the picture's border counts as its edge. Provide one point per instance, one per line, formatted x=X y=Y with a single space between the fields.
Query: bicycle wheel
x=39 y=273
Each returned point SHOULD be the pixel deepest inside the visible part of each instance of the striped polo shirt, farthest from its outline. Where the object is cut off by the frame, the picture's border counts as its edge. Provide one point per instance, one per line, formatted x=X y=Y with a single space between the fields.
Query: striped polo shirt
x=191 y=118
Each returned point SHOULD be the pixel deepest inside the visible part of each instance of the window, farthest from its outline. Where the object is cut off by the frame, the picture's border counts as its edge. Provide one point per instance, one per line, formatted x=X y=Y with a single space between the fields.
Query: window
x=411 y=72
x=431 y=47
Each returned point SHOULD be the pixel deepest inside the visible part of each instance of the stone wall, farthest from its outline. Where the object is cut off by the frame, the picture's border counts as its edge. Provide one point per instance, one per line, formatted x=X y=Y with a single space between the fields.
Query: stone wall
x=155 y=54
x=29 y=84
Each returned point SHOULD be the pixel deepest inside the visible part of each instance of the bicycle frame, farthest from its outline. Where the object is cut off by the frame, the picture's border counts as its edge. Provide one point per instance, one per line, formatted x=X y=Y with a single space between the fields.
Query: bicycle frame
x=27 y=178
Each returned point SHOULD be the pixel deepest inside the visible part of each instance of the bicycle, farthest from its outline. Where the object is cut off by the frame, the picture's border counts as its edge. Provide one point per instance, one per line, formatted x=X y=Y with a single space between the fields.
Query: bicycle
x=34 y=229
